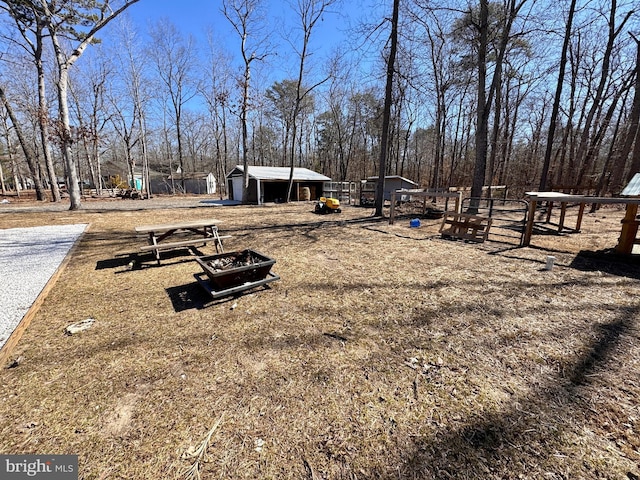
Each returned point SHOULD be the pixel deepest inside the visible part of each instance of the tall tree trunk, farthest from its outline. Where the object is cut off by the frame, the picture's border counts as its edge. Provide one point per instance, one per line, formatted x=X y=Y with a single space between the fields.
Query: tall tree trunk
x=65 y=133
x=35 y=46
x=225 y=147
x=83 y=131
x=386 y=115
x=485 y=100
x=146 y=177
x=603 y=126
x=3 y=187
x=605 y=175
x=635 y=158
x=43 y=119
x=243 y=120
x=180 y=148
x=556 y=101
x=497 y=115
x=12 y=160
x=482 y=110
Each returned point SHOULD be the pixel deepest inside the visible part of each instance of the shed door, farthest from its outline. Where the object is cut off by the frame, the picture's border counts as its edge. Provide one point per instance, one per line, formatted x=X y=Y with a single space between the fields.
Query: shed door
x=237 y=188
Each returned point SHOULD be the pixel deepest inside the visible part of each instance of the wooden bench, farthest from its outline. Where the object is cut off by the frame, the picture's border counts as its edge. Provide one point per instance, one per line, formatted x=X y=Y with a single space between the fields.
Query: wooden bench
x=473 y=228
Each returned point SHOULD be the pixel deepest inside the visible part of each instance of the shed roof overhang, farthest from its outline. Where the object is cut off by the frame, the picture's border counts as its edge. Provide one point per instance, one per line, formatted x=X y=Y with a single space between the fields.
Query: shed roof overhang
x=280 y=174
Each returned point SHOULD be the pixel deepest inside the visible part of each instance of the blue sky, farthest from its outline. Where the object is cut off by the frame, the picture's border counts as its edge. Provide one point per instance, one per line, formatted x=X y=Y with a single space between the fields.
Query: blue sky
x=195 y=17
x=189 y=15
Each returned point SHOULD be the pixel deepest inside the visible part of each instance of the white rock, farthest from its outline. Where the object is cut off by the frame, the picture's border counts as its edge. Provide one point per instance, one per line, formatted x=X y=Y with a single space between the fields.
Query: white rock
x=79 y=326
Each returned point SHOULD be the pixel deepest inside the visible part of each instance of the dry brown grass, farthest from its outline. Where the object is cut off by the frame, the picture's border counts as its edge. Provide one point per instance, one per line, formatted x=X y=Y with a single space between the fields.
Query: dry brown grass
x=383 y=352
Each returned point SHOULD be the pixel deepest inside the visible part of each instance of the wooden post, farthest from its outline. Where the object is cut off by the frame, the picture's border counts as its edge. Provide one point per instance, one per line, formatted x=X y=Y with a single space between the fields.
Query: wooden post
x=549 y=209
x=580 y=215
x=459 y=202
x=392 y=212
x=629 y=230
x=563 y=213
x=528 y=231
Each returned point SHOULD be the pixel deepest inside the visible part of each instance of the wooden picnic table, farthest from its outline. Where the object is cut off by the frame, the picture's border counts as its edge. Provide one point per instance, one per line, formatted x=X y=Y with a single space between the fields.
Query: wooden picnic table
x=197 y=232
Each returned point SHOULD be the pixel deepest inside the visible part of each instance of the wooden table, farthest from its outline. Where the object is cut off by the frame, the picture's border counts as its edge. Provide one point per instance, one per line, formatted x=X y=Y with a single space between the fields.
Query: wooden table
x=198 y=232
x=630 y=223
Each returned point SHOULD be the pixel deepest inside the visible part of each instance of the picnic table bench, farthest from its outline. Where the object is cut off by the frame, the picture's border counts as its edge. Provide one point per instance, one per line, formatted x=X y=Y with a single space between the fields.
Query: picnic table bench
x=191 y=233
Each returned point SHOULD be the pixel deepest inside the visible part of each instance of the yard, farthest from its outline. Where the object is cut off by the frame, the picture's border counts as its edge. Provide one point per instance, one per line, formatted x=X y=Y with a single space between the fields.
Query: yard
x=383 y=352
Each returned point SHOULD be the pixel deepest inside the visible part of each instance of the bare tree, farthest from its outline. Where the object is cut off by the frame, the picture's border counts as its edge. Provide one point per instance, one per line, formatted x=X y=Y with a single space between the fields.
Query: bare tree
x=592 y=121
x=135 y=93
x=10 y=152
x=634 y=124
x=558 y=95
x=89 y=90
x=174 y=60
x=485 y=99
x=29 y=153
x=437 y=45
x=337 y=128
x=78 y=22
x=309 y=13
x=244 y=15
x=216 y=91
x=282 y=97
x=629 y=136
x=124 y=123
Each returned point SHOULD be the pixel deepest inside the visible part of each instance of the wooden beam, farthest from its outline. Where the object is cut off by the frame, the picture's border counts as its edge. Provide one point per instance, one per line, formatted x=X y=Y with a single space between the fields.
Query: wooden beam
x=563 y=197
x=176 y=226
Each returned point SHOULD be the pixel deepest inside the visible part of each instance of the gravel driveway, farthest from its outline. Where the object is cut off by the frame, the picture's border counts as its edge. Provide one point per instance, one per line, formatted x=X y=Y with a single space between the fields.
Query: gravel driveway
x=28 y=259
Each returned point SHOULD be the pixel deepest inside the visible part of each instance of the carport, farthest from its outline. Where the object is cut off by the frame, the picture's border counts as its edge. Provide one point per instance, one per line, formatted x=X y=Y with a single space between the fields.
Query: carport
x=270 y=184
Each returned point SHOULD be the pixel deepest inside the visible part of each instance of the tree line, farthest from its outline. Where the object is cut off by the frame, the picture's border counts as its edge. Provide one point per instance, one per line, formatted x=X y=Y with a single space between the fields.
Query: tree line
x=531 y=94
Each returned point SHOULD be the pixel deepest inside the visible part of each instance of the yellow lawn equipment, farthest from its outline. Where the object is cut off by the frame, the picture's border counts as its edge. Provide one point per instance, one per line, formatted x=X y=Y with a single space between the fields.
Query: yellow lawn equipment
x=328 y=205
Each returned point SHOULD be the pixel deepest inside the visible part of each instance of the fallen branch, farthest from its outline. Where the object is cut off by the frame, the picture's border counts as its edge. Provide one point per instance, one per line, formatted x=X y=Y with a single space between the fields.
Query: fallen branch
x=193 y=472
